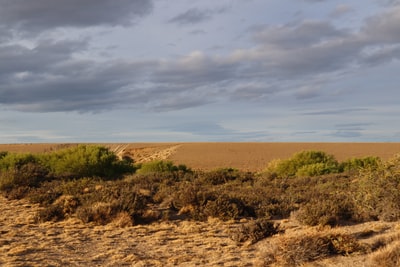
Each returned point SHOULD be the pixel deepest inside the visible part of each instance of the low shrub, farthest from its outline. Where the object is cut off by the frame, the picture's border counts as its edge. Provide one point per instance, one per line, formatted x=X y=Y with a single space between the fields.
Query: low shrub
x=160 y=166
x=255 y=231
x=310 y=163
x=300 y=249
x=21 y=170
x=224 y=208
x=377 y=191
x=86 y=161
x=51 y=213
x=326 y=210
x=355 y=164
x=220 y=176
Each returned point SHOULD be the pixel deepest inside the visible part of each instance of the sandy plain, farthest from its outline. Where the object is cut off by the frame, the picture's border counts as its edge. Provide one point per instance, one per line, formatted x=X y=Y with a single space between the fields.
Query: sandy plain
x=208 y=156
x=23 y=242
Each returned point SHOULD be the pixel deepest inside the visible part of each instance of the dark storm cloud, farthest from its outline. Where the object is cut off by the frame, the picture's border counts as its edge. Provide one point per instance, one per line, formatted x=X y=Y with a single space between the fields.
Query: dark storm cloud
x=41 y=15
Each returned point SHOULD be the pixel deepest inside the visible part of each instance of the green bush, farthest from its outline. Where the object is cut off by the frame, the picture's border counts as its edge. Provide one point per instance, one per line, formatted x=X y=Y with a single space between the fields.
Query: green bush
x=86 y=161
x=316 y=169
x=21 y=170
x=160 y=166
x=3 y=154
x=378 y=191
x=310 y=163
x=355 y=164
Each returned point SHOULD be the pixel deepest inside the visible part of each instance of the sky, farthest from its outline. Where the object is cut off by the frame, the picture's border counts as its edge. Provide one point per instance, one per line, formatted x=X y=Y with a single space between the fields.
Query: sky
x=199 y=71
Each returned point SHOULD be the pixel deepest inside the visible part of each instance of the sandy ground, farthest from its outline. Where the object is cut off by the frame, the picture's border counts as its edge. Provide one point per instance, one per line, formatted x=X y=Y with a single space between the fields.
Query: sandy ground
x=72 y=243
x=208 y=156
x=175 y=243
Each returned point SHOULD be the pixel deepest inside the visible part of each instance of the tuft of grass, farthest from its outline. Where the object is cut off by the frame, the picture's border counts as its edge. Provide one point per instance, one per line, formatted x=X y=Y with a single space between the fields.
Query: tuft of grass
x=387 y=256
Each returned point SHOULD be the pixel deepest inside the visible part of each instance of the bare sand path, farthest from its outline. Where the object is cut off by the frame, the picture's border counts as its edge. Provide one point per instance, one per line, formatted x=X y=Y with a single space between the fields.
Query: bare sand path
x=72 y=243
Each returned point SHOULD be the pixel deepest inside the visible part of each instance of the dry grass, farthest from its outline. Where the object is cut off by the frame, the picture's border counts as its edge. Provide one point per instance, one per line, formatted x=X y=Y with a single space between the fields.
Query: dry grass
x=187 y=243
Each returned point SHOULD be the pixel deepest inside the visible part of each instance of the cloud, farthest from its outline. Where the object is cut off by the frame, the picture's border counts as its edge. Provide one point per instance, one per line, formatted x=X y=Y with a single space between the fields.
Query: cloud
x=352 y=126
x=191 y=16
x=195 y=15
x=308 y=92
x=40 y=15
x=383 y=28
x=252 y=91
x=47 y=75
x=336 y=111
x=347 y=134
x=341 y=10
x=297 y=35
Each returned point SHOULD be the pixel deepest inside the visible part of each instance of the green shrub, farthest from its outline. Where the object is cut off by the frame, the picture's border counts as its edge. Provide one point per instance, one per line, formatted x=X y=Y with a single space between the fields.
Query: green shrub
x=86 y=161
x=355 y=164
x=316 y=169
x=304 y=163
x=21 y=170
x=3 y=154
x=160 y=166
x=378 y=191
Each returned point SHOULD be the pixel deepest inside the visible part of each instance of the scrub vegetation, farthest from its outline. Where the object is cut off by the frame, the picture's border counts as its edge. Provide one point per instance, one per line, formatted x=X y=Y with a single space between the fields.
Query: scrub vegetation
x=94 y=185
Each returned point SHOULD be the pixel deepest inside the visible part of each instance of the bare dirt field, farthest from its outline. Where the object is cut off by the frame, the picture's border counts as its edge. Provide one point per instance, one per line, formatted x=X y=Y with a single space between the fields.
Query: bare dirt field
x=207 y=156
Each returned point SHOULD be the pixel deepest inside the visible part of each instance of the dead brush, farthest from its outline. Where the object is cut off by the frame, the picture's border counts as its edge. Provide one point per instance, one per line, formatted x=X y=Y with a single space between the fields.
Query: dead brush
x=255 y=231
x=308 y=247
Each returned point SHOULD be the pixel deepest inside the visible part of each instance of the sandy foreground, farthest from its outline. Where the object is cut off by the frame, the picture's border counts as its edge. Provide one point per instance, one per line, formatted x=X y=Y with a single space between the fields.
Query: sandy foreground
x=174 y=243
x=72 y=243
x=208 y=156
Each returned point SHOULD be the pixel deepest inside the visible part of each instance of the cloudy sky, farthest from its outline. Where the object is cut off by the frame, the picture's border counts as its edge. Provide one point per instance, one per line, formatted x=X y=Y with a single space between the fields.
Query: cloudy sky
x=181 y=70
